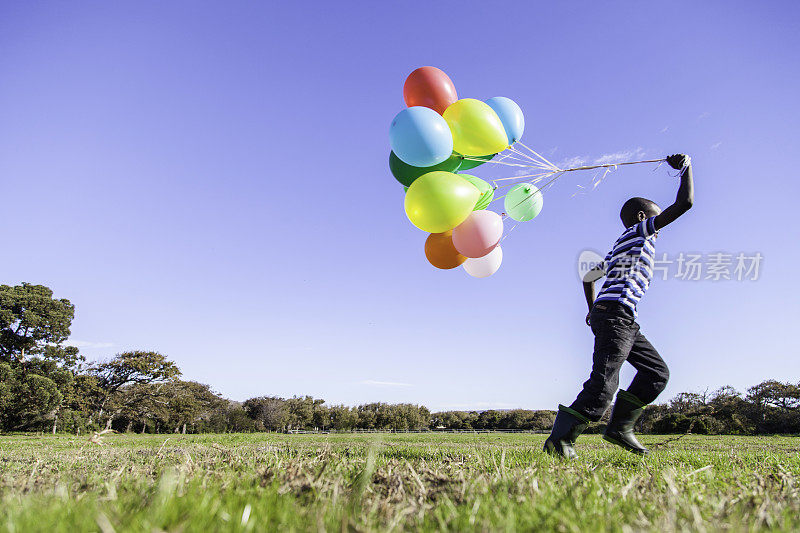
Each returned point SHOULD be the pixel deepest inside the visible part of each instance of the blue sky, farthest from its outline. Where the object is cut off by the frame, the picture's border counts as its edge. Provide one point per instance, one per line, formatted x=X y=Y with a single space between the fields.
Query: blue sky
x=210 y=180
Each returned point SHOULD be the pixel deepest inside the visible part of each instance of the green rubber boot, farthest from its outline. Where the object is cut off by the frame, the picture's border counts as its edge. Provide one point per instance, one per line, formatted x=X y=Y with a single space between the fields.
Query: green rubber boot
x=568 y=426
x=627 y=410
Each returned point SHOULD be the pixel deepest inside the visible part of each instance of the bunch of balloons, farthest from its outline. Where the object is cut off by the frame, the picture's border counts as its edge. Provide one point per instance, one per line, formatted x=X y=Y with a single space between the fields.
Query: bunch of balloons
x=436 y=138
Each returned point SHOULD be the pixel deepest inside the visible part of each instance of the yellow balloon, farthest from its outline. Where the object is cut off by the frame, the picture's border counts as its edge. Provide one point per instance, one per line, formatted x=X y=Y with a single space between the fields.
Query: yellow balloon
x=439 y=201
x=476 y=128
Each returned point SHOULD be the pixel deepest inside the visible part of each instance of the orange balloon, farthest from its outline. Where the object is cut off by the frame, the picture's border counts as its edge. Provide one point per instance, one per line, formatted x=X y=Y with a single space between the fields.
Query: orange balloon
x=429 y=87
x=440 y=251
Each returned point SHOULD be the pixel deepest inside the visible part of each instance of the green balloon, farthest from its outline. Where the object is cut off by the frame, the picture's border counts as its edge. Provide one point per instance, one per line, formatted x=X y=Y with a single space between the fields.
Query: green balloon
x=406 y=174
x=524 y=202
x=487 y=191
x=467 y=164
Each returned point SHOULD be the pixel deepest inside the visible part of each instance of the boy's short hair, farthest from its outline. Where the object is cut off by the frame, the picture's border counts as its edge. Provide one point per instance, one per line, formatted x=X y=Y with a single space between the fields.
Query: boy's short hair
x=631 y=208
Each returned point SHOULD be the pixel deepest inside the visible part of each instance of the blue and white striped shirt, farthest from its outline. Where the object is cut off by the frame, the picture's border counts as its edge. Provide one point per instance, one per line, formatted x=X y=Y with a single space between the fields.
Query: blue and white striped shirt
x=629 y=265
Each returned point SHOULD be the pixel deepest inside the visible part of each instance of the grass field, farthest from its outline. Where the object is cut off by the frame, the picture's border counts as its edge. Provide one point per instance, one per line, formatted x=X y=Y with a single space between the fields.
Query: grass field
x=243 y=482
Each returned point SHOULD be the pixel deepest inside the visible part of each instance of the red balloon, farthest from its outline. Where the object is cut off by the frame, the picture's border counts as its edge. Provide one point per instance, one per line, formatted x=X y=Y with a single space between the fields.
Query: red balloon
x=429 y=87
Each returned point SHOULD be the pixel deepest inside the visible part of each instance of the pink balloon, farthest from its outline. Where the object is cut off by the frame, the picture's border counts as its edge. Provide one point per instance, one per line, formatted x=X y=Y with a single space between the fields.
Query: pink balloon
x=478 y=234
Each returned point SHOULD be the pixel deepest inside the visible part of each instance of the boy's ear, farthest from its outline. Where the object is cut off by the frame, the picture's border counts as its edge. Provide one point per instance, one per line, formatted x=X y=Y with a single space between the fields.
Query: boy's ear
x=642 y=216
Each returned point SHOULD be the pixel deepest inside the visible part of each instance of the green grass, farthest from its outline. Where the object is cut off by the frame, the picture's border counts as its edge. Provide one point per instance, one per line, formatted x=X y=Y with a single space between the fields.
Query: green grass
x=394 y=482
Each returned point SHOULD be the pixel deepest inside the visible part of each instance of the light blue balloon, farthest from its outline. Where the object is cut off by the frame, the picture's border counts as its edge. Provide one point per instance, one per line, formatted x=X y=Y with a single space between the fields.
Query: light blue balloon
x=510 y=115
x=420 y=137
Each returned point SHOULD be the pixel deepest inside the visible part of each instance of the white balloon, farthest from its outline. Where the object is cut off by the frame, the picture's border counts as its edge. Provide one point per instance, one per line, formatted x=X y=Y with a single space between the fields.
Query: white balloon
x=483 y=267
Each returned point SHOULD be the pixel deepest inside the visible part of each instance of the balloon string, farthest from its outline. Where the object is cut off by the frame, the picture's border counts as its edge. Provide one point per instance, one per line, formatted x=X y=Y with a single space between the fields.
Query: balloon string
x=523 y=154
x=540 y=191
x=561 y=172
x=537 y=154
x=497 y=162
x=609 y=165
x=528 y=163
x=509 y=232
x=533 y=181
x=522 y=157
x=556 y=175
x=517 y=158
x=541 y=163
x=541 y=174
x=538 y=162
x=588 y=167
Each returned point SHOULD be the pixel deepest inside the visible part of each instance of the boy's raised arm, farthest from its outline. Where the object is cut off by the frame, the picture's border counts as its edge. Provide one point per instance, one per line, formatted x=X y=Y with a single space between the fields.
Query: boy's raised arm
x=685 y=197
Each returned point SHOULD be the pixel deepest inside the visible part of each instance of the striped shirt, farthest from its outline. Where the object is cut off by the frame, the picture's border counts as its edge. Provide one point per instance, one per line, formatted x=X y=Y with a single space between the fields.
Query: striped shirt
x=629 y=265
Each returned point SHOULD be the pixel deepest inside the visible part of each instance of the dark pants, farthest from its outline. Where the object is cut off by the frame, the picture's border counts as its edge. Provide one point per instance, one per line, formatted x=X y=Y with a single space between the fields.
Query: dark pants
x=617 y=339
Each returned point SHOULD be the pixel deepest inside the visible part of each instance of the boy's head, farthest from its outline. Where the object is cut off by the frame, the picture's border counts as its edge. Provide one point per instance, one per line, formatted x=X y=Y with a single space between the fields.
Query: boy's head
x=637 y=209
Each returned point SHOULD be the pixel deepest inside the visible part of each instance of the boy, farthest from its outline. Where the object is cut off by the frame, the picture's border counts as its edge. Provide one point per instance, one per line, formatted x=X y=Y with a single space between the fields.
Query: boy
x=612 y=317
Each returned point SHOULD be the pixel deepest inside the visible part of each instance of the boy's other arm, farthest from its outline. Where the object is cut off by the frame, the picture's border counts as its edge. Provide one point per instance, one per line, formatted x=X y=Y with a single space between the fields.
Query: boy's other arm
x=588 y=291
x=588 y=287
x=685 y=198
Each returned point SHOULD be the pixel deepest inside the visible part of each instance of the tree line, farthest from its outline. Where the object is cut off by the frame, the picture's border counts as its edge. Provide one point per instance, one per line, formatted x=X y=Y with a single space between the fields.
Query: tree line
x=47 y=385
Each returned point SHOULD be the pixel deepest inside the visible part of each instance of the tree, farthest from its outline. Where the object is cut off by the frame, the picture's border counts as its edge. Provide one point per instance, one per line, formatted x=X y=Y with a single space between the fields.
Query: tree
x=64 y=356
x=175 y=405
x=81 y=401
x=343 y=418
x=775 y=406
x=488 y=420
x=367 y=415
x=32 y=322
x=775 y=394
x=731 y=410
x=300 y=412
x=26 y=398
x=130 y=368
x=189 y=403
x=321 y=417
x=687 y=402
x=269 y=412
x=33 y=326
x=231 y=417
x=134 y=367
x=455 y=420
x=63 y=379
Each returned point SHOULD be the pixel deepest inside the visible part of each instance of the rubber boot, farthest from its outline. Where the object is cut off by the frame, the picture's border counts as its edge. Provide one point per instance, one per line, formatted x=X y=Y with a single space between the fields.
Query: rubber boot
x=627 y=410
x=568 y=425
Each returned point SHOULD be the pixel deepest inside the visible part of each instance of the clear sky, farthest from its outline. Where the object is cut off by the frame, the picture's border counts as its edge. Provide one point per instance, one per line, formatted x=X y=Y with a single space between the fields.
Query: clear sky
x=210 y=180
